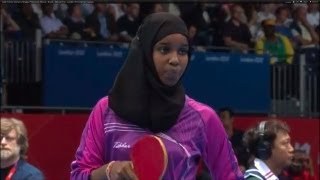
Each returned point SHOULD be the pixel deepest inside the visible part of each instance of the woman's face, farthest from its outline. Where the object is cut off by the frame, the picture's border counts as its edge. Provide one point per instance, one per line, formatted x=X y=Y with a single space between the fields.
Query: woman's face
x=170 y=57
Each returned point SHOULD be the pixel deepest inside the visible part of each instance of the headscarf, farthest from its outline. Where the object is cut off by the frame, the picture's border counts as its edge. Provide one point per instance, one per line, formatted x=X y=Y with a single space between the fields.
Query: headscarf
x=138 y=95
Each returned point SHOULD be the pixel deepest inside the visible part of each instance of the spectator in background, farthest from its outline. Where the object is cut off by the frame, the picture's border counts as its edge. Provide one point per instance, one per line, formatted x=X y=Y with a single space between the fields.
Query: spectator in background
x=158 y=7
x=87 y=9
x=192 y=31
x=14 y=147
x=218 y=18
x=277 y=46
x=313 y=15
x=266 y=12
x=193 y=40
x=9 y=25
x=252 y=21
x=61 y=10
x=76 y=24
x=111 y=10
x=236 y=34
x=128 y=24
x=235 y=136
x=119 y=10
x=303 y=32
x=301 y=167
x=199 y=17
x=103 y=23
x=149 y=8
x=281 y=51
x=282 y=22
x=36 y=7
x=52 y=27
x=173 y=8
x=269 y=143
x=27 y=20
x=227 y=10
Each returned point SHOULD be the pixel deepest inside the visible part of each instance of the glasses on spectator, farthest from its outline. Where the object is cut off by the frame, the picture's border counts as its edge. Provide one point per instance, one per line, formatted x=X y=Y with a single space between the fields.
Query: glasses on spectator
x=8 y=138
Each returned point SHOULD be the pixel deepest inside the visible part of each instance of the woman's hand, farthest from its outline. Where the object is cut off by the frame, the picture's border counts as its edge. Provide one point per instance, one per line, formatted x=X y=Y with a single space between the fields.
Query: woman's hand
x=122 y=170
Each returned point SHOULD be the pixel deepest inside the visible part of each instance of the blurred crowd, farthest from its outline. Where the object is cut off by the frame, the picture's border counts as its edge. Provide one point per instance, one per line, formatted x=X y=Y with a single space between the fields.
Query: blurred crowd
x=242 y=27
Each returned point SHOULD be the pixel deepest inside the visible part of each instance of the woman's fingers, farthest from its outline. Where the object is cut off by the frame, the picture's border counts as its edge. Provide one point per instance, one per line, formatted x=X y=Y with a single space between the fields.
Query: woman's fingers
x=130 y=172
x=122 y=170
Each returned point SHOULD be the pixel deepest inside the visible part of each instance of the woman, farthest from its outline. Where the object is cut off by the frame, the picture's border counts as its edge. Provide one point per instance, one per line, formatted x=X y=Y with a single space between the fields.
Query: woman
x=148 y=98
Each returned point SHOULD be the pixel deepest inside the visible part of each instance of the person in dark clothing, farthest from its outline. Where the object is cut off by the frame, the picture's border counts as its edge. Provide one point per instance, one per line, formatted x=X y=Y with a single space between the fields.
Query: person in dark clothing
x=236 y=34
x=27 y=20
x=149 y=8
x=10 y=27
x=199 y=17
x=102 y=23
x=235 y=136
x=74 y=21
x=128 y=24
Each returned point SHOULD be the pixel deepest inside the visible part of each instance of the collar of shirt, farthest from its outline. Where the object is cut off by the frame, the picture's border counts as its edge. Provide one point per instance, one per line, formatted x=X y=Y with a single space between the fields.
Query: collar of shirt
x=264 y=169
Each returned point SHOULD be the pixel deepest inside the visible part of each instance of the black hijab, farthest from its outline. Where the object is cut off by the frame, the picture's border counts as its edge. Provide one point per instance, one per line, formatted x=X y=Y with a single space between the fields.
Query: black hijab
x=138 y=96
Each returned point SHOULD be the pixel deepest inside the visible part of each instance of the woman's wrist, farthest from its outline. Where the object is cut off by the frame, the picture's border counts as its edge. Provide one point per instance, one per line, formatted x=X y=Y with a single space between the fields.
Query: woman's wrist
x=108 y=169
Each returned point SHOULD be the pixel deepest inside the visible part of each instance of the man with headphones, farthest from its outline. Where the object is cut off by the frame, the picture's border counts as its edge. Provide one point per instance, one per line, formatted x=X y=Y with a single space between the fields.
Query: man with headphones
x=269 y=144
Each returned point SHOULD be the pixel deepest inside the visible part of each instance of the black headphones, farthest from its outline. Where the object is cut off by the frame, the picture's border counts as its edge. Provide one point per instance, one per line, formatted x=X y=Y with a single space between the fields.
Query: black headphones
x=264 y=149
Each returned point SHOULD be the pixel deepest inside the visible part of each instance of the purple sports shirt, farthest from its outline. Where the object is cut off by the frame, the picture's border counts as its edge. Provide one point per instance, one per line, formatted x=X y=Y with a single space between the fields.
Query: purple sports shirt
x=198 y=133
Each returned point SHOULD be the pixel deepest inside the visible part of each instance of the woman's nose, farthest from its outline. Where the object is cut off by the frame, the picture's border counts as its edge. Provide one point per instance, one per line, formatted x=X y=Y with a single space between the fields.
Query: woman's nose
x=174 y=59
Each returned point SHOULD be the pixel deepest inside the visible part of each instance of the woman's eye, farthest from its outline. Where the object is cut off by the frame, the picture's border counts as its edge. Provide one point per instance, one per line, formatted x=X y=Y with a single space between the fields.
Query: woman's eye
x=164 y=49
x=183 y=51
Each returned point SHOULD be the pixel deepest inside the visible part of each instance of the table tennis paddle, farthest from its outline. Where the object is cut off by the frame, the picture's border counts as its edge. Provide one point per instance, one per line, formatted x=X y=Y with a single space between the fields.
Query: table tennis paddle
x=149 y=158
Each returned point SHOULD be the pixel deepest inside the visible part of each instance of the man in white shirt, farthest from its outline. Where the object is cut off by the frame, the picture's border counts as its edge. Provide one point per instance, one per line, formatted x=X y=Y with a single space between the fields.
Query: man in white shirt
x=303 y=32
x=269 y=143
x=313 y=15
x=52 y=27
x=267 y=12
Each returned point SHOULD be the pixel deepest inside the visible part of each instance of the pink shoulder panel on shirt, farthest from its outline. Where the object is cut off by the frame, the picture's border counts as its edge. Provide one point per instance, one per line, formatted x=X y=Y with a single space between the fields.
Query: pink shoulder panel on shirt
x=205 y=111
